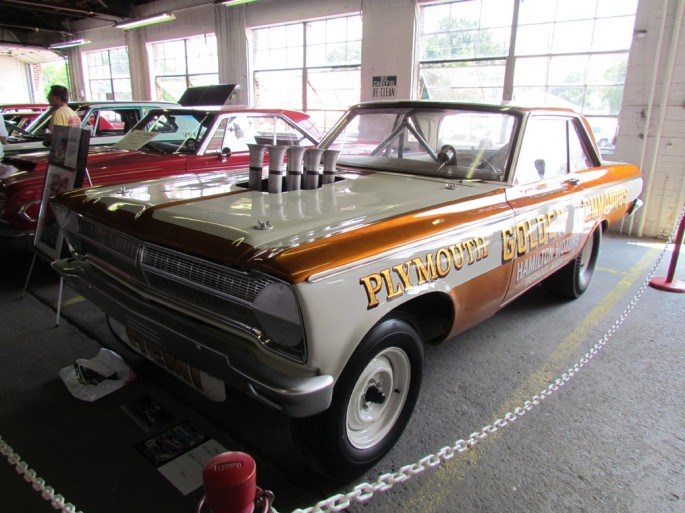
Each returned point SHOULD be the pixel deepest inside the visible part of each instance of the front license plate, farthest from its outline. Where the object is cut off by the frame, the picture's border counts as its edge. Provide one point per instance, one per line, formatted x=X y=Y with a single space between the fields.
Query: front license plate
x=210 y=386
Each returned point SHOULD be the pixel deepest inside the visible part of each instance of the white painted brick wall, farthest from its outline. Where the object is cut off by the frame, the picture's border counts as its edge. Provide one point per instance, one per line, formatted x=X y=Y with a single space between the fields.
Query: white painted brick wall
x=664 y=164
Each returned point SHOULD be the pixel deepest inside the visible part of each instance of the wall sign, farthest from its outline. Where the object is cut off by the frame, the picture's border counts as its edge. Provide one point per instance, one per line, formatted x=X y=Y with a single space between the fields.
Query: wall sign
x=384 y=86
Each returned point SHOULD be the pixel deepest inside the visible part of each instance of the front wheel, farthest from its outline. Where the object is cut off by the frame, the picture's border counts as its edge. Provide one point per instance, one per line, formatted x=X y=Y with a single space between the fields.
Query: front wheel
x=574 y=278
x=372 y=403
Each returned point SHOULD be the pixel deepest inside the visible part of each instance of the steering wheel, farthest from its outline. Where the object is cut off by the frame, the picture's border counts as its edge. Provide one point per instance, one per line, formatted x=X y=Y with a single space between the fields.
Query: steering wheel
x=447 y=155
x=191 y=144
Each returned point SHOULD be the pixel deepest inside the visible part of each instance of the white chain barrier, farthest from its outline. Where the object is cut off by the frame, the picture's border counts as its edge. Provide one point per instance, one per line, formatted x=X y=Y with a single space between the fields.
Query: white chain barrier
x=365 y=491
x=38 y=484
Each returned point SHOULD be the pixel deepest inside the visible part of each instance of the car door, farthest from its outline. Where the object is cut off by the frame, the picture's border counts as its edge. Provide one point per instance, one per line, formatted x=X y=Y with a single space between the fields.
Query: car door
x=547 y=198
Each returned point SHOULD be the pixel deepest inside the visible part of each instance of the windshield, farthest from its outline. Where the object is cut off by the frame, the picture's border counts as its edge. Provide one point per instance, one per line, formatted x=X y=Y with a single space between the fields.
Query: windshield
x=453 y=142
x=169 y=132
x=37 y=128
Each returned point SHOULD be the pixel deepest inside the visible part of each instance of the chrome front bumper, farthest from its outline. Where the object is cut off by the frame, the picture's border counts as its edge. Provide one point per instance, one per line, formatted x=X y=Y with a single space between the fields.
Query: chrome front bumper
x=219 y=353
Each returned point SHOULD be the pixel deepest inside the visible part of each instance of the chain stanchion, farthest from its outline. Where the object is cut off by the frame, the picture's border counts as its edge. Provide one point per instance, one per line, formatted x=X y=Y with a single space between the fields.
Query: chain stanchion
x=365 y=491
x=669 y=284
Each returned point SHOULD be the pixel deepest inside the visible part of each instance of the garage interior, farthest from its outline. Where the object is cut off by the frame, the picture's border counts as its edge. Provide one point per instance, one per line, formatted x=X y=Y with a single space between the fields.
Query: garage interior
x=610 y=439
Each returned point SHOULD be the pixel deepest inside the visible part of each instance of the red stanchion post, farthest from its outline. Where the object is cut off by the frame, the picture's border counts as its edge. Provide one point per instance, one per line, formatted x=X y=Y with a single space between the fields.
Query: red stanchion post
x=230 y=481
x=668 y=283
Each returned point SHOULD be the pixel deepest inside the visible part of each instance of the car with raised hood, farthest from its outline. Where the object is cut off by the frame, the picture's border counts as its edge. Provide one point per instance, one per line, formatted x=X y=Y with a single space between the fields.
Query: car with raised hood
x=166 y=142
x=313 y=286
x=107 y=121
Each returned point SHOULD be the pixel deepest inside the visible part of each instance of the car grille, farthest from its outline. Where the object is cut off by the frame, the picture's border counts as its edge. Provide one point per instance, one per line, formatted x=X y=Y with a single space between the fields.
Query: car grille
x=197 y=284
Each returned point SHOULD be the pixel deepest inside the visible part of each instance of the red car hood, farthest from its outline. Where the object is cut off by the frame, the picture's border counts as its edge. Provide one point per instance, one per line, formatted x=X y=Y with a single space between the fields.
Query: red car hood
x=105 y=166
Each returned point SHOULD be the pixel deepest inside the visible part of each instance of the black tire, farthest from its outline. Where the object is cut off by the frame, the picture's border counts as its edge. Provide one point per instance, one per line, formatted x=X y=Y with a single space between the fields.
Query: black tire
x=384 y=375
x=574 y=278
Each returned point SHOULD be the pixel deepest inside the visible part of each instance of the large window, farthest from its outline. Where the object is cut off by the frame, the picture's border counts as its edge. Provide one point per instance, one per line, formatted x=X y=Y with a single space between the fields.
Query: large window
x=313 y=66
x=107 y=75
x=556 y=52
x=184 y=63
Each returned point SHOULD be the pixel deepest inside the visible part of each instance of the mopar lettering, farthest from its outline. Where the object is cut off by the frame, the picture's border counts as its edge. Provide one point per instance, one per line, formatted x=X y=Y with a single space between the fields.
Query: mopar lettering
x=396 y=280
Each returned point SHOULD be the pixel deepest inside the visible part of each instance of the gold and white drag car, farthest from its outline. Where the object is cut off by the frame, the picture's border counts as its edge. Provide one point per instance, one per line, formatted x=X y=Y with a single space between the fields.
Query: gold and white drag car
x=311 y=284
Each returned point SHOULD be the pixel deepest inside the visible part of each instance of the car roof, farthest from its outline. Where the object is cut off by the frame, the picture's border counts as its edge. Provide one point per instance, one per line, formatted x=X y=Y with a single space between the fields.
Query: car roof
x=220 y=109
x=428 y=104
x=145 y=103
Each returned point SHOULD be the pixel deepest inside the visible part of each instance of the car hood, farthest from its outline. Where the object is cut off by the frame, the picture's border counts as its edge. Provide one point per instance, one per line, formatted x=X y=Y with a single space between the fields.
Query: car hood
x=28 y=170
x=216 y=216
x=38 y=160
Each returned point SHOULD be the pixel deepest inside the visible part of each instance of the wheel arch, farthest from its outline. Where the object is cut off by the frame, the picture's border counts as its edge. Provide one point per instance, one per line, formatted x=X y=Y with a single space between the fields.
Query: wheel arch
x=432 y=315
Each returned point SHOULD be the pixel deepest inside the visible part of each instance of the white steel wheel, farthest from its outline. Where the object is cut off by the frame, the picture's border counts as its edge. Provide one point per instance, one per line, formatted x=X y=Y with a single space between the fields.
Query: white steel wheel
x=378 y=398
x=371 y=405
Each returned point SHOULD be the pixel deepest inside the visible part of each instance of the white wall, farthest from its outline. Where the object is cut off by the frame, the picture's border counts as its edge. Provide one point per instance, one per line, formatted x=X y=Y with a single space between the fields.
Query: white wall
x=652 y=121
x=15 y=83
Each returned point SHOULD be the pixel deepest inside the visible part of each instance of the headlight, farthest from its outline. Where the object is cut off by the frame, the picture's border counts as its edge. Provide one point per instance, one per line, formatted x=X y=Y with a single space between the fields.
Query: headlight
x=278 y=314
x=29 y=211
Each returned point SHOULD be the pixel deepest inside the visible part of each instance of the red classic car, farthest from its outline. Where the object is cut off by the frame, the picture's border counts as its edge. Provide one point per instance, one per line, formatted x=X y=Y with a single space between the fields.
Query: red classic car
x=165 y=142
x=24 y=107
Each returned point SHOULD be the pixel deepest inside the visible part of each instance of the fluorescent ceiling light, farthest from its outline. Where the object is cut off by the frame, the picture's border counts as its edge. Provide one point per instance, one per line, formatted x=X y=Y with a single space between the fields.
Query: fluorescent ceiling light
x=143 y=22
x=69 y=44
x=229 y=3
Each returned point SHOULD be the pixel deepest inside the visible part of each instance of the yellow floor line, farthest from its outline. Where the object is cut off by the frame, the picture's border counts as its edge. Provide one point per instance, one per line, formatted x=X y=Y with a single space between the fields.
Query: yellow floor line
x=441 y=484
x=74 y=300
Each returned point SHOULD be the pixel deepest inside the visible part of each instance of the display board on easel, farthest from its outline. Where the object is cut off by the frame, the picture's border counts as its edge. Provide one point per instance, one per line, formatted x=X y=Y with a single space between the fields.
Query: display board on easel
x=66 y=169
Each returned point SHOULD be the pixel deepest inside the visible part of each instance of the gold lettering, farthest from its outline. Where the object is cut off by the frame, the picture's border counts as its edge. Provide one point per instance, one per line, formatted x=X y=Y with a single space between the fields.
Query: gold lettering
x=532 y=239
x=372 y=285
x=521 y=239
x=508 y=244
x=444 y=262
x=389 y=286
x=404 y=276
x=425 y=272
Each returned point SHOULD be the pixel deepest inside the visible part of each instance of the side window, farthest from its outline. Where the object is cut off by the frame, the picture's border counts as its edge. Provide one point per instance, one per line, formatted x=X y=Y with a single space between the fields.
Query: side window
x=273 y=130
x=240 y=133
x=578 y=155
x=544 y=151
x=216 y=142
x=109 y=122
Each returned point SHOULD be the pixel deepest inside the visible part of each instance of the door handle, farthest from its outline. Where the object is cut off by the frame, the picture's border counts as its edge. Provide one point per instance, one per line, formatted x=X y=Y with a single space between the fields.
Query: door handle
x=572 y=182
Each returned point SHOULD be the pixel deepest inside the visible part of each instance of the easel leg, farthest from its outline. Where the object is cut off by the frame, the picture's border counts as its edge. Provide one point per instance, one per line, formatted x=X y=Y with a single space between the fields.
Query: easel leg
x=59 y=300
x=28 y=277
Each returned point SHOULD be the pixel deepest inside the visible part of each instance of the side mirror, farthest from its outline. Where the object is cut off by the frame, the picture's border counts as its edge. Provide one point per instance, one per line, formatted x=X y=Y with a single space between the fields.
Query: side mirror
x=225 y=153
x=540 y=166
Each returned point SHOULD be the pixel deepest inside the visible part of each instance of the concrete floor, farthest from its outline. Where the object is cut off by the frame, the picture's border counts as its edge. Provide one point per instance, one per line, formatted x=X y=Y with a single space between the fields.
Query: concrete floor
x=610 y=440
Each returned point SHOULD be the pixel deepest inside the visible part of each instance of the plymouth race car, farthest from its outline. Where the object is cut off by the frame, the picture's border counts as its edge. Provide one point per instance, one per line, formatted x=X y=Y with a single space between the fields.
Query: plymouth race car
x=313 y=287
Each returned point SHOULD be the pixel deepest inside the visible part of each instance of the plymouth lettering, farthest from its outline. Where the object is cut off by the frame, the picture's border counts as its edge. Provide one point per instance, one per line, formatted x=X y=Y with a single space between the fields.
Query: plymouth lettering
x=394 y=281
